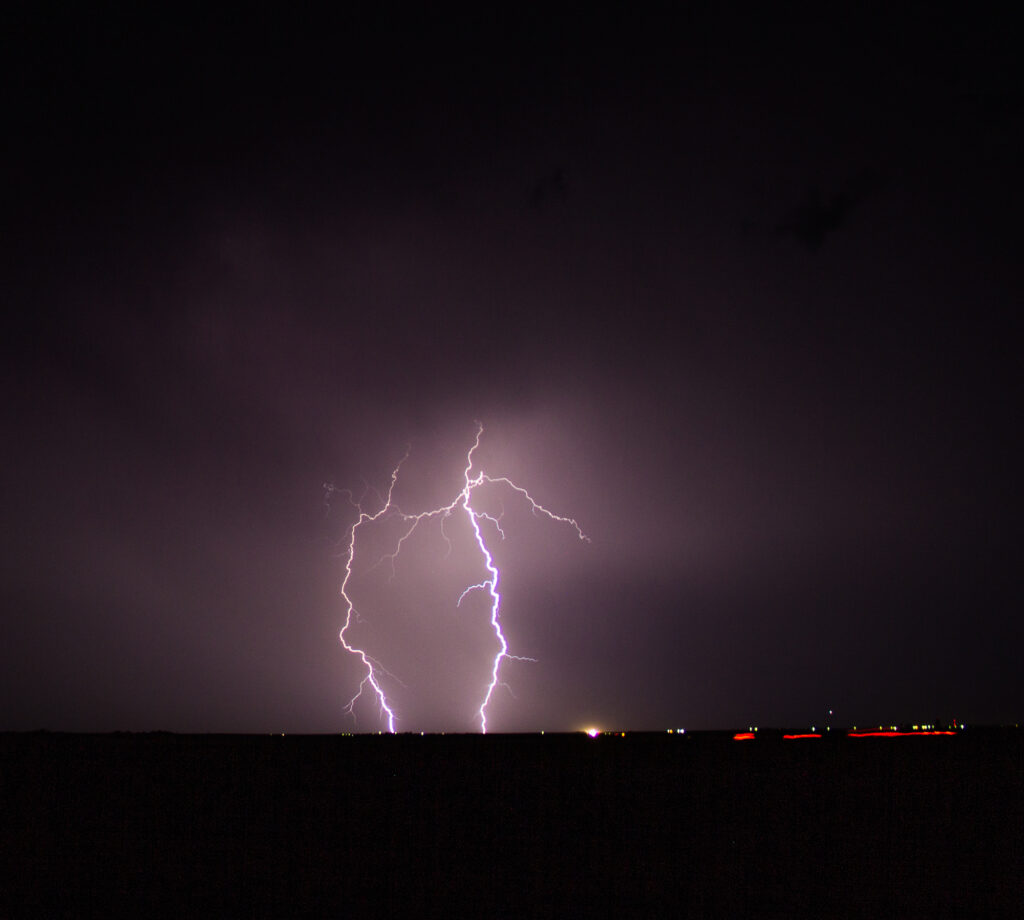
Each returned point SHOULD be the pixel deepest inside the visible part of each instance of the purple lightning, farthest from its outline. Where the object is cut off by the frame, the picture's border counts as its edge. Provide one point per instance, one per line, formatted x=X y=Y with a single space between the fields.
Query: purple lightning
x=374 y=669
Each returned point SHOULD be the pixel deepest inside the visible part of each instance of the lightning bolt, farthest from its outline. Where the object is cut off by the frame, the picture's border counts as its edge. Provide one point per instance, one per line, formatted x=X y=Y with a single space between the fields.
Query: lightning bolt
x=462 y=503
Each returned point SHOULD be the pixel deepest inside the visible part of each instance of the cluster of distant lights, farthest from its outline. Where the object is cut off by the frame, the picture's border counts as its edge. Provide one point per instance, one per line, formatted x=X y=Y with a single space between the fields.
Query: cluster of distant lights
x=883 y=731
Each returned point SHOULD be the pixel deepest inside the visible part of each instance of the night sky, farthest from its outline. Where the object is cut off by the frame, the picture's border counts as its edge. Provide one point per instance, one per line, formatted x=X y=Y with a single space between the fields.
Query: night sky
x=737 y=291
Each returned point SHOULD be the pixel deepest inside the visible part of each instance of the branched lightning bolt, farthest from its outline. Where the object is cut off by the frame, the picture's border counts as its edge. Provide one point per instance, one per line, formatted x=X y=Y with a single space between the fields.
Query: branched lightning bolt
x=463 y=502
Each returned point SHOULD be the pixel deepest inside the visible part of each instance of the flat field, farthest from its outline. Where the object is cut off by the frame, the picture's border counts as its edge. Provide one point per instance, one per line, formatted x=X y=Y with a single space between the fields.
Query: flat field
x=645 y=825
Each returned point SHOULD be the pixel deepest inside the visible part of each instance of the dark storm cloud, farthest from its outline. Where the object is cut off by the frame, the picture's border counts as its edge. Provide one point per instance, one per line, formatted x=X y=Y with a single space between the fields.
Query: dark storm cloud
x=819 y=217
x=243 y=268
x=549 y=188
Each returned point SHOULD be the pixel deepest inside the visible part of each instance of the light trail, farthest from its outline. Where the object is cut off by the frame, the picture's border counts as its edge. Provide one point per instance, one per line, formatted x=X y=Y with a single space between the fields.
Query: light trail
x=461 y=503
x=896 y=734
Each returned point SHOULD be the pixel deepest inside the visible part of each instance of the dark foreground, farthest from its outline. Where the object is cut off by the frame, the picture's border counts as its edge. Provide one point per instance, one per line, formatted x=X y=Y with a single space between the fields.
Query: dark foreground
x=526 y=826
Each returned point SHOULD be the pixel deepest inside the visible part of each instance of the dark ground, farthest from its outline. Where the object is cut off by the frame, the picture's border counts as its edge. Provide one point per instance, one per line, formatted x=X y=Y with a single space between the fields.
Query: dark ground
x=528 y=826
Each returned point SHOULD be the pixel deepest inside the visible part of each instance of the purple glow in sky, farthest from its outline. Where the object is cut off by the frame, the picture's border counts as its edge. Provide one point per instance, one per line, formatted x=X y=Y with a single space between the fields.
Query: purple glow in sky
x=739 y=291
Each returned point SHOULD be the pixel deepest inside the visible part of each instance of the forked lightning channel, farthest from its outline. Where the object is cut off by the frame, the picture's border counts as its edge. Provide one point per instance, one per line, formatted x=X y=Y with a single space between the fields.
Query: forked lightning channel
x=461 y=504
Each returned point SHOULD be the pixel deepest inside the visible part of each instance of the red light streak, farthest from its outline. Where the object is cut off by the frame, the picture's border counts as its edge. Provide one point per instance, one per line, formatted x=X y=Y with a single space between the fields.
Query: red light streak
x=743 y=736
x=808 y=735
x=892 y=734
